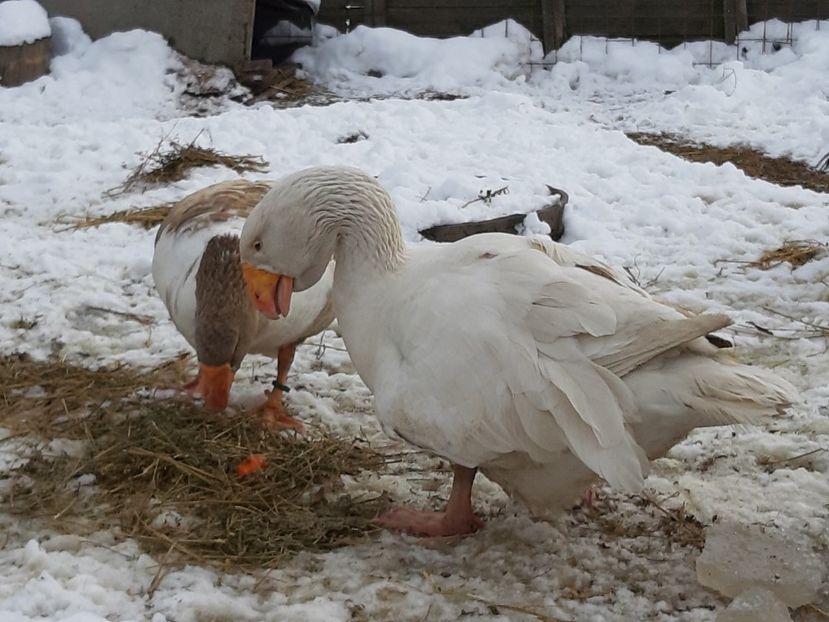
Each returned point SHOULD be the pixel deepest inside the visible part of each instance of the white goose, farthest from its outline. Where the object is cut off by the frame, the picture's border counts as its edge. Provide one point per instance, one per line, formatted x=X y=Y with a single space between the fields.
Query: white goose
x=541 y=369
x=198 y=274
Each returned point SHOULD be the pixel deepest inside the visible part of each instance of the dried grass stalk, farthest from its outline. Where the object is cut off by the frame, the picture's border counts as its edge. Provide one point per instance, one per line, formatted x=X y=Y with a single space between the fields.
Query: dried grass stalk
x=147 y=217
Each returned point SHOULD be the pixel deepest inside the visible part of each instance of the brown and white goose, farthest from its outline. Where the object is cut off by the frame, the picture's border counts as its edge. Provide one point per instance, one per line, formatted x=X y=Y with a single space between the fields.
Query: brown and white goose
x=198 y=274
x=537 y=365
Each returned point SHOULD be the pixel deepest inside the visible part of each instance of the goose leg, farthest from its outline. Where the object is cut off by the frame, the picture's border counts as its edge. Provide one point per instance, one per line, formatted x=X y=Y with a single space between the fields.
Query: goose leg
x=272 y=411
x=590 y=498
x=456 y=520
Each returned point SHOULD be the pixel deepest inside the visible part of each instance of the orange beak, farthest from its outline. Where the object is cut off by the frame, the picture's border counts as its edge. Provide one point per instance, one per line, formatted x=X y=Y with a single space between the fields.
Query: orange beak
x=270 y=293
x=214 y=385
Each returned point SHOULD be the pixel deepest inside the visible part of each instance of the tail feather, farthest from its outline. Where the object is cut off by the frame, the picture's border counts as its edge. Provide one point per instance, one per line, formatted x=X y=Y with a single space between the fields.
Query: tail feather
x=691 y=391
x=733 y=393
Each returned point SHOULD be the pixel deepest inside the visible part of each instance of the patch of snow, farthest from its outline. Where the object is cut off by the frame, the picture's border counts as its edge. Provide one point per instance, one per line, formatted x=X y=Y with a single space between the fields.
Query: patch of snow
x=125 y=75
x=386 y=61
x=68 y=36
x=22 y=21
x=659 y=90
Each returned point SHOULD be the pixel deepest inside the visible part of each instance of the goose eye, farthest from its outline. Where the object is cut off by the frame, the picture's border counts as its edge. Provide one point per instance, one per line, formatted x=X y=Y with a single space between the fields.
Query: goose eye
x=257 y=246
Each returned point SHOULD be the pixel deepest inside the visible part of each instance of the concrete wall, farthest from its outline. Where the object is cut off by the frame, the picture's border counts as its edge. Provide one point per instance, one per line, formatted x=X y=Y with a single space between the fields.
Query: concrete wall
x=213 y=31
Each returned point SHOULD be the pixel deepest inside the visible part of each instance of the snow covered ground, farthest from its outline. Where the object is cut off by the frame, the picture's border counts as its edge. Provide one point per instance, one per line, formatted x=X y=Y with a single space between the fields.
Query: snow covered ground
x=69 y=137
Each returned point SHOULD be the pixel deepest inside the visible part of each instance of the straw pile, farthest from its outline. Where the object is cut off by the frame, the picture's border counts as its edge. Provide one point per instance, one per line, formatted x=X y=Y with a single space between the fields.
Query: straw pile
x=167 y=473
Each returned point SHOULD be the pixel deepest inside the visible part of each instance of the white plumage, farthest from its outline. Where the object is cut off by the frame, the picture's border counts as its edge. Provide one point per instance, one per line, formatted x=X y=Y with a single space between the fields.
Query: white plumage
x=536 y=364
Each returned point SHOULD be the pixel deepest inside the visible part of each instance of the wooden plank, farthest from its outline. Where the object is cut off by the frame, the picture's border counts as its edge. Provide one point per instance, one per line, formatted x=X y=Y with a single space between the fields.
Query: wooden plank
x=786 y=10
x=559 y=22
x=445 y=12
x=548 y=26
x=432 y=5
x=740 y=16
x=448 y=22
x=378 y=12
x=729 y=20
x=666 y=22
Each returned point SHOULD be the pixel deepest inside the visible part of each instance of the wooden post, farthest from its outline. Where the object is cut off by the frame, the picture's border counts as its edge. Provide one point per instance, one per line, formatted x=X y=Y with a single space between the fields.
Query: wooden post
x=735 y=16
x=552 y=18
x=729 y=19
x=740 y=16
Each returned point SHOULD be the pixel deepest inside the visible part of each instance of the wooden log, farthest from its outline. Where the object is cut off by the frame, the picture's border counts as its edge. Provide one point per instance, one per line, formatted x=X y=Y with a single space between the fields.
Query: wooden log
x=25 y=62
x=552 y=214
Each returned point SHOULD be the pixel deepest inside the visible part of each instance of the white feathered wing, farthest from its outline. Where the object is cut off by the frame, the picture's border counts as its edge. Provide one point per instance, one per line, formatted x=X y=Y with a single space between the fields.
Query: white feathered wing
x=554 y=367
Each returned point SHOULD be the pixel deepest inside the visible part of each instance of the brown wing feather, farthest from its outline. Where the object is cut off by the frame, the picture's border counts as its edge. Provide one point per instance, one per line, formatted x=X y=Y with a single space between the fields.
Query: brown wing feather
x=216 y=203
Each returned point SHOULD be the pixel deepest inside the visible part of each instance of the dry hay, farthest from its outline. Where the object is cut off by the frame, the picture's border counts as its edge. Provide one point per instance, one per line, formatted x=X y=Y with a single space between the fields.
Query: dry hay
x=277 y=83
x=794 y=252
x=165 y=471
x=781 y=171
x=676 y=524
x=173 y=160
x=147 y=217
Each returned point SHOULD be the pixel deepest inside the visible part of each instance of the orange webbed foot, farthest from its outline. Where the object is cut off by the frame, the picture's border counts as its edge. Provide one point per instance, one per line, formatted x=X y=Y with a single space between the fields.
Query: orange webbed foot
x=273 y=416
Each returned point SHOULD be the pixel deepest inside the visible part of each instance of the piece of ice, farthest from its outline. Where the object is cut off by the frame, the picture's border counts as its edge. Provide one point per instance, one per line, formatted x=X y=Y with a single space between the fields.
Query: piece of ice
x=755 y=605
x=737 y=558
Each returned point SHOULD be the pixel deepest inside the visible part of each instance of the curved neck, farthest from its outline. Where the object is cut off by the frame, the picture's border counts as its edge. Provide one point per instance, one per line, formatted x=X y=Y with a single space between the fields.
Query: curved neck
x=367 y=229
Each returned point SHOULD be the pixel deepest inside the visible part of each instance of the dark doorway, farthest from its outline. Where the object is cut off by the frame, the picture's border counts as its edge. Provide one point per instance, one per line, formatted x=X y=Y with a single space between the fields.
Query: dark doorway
x=280 y=27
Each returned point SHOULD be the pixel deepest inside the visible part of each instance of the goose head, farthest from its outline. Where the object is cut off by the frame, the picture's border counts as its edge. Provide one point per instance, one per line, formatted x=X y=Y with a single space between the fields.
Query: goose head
x=226 y=321
x=291 y=235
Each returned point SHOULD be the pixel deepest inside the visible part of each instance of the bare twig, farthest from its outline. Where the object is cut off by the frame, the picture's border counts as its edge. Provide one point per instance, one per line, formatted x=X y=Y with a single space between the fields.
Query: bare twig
x=487 y=195
x=635 y=274
x=813 y=329
x=797 y=457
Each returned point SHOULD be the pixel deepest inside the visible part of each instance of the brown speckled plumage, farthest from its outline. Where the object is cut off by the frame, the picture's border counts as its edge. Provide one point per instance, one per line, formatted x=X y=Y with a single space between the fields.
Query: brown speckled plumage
x=217 y=203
